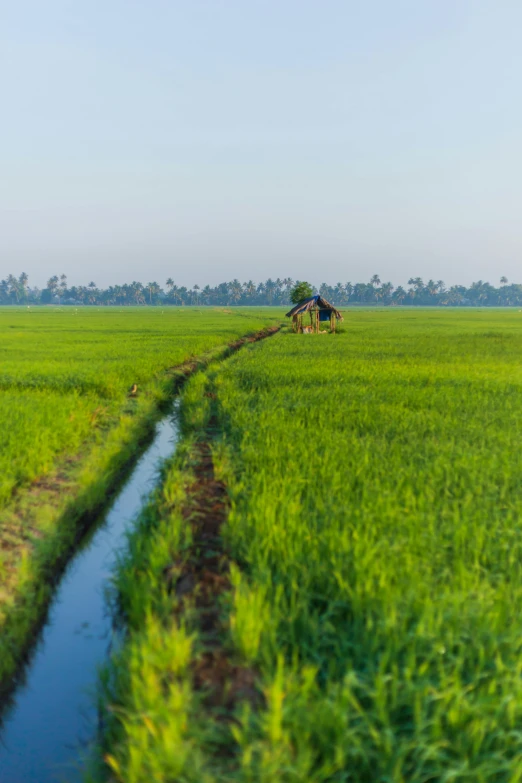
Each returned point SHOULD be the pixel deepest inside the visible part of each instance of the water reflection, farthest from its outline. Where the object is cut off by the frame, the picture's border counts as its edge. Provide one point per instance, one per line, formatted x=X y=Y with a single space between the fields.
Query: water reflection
x=52 y=717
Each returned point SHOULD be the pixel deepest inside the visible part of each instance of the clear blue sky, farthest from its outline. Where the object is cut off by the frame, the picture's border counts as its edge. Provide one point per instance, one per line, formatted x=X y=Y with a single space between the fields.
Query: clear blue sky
x=252 y=138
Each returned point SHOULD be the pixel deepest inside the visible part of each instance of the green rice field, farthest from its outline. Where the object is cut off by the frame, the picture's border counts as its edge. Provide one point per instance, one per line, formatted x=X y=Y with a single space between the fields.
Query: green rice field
x=69 y=426
x=64 y=371
x=374 y=536
x=365 y=612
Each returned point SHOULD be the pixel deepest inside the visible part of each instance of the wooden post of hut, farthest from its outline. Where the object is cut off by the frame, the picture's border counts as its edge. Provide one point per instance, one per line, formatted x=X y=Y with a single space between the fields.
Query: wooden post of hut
x=297 y=323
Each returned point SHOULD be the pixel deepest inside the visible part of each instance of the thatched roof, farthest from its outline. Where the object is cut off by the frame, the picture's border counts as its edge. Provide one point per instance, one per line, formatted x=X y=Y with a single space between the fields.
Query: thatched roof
x=311 y=302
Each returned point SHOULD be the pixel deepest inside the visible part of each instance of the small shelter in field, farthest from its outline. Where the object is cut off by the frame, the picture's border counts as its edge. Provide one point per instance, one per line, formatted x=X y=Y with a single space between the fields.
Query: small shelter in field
x=320 y=311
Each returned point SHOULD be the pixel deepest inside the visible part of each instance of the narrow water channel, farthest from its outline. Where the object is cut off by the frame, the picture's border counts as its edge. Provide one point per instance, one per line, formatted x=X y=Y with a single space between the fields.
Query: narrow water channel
x=52 y=719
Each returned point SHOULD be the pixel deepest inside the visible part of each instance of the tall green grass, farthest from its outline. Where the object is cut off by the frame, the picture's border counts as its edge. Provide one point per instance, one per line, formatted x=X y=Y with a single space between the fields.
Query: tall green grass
x=376 y=491
x=66 y=420
x=64 y=371
x=376 y=506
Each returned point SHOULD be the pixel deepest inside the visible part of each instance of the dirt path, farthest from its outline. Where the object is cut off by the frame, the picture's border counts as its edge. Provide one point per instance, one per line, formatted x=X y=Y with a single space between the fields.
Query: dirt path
x=200 y=580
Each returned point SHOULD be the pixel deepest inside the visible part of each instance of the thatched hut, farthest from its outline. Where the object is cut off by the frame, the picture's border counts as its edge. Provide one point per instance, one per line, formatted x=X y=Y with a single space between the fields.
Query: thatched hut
x=319 y=309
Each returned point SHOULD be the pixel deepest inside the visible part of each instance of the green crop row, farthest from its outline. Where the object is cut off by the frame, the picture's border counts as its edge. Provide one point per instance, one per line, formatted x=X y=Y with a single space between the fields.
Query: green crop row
x=65 y=371
x=69 y=428
x=375 y=481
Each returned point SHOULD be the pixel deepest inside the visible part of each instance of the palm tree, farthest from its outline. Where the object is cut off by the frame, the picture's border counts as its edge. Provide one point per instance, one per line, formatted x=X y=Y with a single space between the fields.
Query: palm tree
x=109 y=296
x=22 y=285
x=386 y=291
x=478 y=292
x=326 y=291
x=81 y=294
x=269 y=290
x=235 y=290
x=418 y=286
x=278 y=289
x=399 y=295
x=431 y=288
x=4 y=291
x=339 y=293
x=360 y=292
x=453 y=297
x=173 y=290
x=137 y=292
x=52 y=284
x=153 y=290
x=249 y=289
x=13 y=287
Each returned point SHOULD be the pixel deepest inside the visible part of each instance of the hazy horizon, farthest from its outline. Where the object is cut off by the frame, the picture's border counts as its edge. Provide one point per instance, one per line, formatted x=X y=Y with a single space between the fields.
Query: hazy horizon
x=218 y=140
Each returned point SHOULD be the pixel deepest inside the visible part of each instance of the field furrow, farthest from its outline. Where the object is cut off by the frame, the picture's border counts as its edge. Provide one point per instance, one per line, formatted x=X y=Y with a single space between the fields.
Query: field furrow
x=375 y=491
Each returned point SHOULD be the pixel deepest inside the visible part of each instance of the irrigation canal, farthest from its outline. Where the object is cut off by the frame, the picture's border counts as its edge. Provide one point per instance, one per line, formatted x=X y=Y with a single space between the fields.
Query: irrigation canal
x=52 y=718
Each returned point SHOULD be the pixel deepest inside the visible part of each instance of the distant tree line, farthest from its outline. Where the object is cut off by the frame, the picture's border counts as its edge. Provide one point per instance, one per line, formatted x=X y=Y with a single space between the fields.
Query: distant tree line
x=16 y=290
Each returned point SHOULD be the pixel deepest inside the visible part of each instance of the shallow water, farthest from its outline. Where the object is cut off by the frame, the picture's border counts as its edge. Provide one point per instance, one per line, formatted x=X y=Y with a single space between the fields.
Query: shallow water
x=52 y=719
